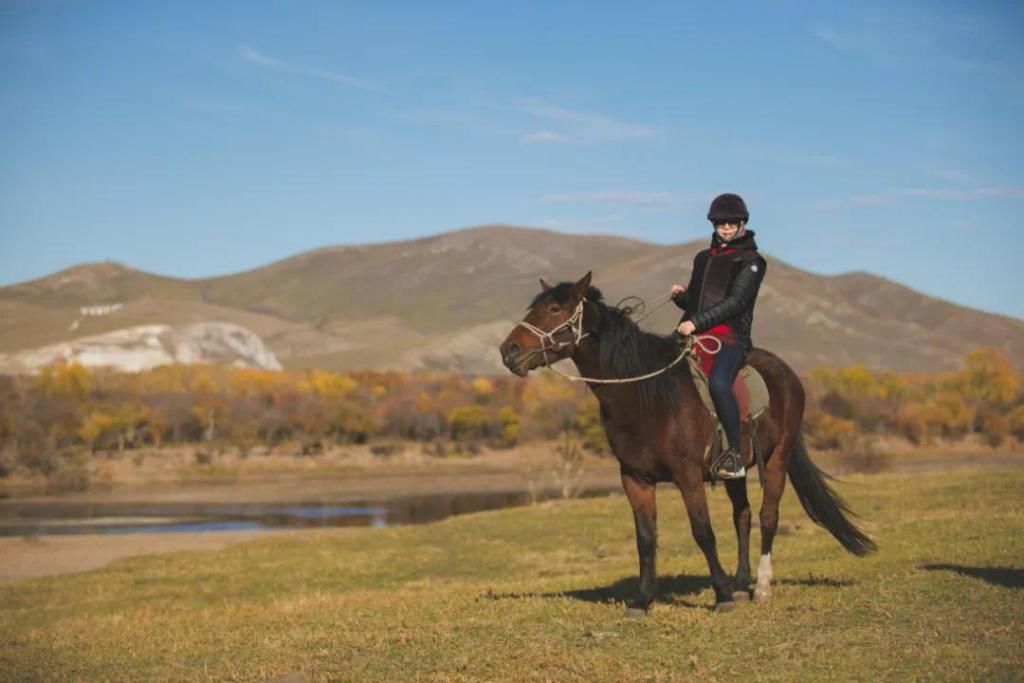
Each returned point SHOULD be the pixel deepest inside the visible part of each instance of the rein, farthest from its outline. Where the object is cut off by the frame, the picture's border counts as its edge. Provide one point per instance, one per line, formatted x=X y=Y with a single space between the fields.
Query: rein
x=575 y=324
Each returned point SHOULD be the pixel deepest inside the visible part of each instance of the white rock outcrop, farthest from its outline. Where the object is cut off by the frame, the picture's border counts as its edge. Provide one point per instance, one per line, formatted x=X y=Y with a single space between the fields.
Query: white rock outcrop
x=134 y=349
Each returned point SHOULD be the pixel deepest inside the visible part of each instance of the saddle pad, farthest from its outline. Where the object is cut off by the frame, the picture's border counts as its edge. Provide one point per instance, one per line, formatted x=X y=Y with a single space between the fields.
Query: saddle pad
x=750 y=388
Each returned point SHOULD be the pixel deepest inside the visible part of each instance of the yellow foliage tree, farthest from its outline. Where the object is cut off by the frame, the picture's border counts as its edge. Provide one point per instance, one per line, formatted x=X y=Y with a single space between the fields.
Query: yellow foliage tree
x=467 y=421
x=330 y=385
x=549 y=404
x=831 y=432
x=509 y=426
x=69 y=379
x=482 y=385
x=95 y=427
x=988 y=376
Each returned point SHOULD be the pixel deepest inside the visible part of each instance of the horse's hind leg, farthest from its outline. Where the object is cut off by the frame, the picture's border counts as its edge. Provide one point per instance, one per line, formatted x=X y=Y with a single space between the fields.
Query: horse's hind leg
x=690 y=480
x=737 y=490
x=645 y=515
x=775 y=483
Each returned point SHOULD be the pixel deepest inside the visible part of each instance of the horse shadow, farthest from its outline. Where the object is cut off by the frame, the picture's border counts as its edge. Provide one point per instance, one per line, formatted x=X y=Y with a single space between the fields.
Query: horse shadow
x=812 y=581
x=1007 y=577
x=671 y=589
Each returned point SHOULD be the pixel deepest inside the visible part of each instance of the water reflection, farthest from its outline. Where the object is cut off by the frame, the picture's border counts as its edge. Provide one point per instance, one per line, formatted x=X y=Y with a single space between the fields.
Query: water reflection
x=29 y=519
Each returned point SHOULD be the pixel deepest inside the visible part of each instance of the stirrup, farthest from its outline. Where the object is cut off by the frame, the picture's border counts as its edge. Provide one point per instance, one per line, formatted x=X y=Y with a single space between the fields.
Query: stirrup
x=728 y=465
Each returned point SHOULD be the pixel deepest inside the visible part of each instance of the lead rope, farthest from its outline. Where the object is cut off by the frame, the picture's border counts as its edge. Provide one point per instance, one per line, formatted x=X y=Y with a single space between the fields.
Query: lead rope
x=666 y=297
x=688 y=345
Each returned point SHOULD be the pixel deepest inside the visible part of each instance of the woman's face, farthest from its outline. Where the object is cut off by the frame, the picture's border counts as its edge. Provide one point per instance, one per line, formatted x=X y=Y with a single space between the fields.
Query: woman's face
x=727 y=231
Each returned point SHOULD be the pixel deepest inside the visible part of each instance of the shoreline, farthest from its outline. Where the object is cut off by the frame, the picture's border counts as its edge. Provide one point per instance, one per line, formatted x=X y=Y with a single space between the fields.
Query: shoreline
x=30 y=557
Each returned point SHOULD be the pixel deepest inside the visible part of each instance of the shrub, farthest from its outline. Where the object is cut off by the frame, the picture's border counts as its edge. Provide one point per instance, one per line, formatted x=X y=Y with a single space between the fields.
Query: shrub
x=827 y=431
x=386 y=449
x=71 y=475
x=1016 y=419
x=995 y=429
x=509 y=428
x=588 y=424
x=861 y=455
x=467 y=422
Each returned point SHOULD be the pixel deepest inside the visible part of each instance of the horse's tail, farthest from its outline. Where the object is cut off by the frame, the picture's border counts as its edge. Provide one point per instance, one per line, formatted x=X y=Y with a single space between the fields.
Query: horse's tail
x=822 y=504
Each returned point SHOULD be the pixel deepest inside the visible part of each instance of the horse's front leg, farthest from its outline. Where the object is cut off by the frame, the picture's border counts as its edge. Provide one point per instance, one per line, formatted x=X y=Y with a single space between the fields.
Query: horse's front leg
x=690 y=480
x=737 y=490
x=645 y=515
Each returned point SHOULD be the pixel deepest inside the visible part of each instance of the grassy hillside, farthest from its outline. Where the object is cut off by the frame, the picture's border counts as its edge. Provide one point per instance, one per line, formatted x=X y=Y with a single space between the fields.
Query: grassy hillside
x=535 y=594
x=396 y=304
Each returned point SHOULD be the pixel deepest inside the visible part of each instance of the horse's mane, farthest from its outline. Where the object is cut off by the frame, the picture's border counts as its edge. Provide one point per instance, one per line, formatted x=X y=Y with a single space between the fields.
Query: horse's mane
x=627 y=351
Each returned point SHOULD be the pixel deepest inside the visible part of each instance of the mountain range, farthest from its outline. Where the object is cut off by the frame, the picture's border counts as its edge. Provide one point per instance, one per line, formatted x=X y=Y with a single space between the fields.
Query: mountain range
x=444 y=302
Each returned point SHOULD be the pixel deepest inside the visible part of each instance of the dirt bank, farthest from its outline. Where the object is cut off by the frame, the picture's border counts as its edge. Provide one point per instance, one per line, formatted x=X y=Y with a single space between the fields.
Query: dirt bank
x=30 y=557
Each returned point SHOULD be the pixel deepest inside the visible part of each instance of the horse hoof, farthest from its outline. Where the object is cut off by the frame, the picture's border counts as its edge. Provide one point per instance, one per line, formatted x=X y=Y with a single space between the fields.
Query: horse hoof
x=761 y=597
x=725 y=606
x=636 y=613
x=740 y=596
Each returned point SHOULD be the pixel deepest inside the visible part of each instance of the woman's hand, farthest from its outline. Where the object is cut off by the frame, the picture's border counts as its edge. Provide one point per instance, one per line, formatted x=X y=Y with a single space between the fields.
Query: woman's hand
x=677 y=290
x=686 y=328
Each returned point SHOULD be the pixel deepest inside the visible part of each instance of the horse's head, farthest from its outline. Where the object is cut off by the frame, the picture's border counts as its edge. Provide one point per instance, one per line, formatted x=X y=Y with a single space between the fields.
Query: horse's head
x=551 y=330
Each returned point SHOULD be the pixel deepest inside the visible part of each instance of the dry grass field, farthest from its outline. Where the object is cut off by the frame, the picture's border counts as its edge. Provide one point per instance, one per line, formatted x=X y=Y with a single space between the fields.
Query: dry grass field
x=536 y=594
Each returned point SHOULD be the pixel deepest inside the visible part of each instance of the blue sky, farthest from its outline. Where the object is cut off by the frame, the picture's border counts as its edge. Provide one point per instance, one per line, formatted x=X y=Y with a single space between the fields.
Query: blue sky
x=196 y=139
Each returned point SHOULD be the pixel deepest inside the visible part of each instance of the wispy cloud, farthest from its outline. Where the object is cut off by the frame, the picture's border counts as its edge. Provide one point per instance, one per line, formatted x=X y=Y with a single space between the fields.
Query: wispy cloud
x=568 y=125
x=954 y=174
x=614 y=197
x=939 y=194
x=531 y=121
x=837 y=39
x=253 y=56
x=887 y=43
x=463 y=120
x=544 y=136
x=924 y=35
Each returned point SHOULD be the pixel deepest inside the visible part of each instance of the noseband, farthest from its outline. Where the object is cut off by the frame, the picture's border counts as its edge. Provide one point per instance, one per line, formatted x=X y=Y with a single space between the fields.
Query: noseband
x=573 y=323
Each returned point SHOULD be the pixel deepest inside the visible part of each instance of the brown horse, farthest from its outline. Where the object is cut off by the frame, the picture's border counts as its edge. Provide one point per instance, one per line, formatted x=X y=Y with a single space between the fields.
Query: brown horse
x=658 y=429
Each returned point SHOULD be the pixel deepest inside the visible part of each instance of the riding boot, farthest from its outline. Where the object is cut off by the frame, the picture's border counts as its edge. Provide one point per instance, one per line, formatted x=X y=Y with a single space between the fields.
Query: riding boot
x=728 y=465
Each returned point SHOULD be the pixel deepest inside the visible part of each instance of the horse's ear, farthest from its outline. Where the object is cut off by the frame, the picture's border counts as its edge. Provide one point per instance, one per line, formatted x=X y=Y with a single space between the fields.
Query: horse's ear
x=579 y=290
x=544 y=285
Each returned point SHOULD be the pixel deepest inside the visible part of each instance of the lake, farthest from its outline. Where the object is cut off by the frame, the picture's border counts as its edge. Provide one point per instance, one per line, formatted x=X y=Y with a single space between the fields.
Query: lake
x=63 y=518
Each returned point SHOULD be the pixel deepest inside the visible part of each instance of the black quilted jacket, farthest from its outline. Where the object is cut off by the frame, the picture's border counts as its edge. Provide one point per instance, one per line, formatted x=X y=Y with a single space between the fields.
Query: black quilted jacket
x=723 y=287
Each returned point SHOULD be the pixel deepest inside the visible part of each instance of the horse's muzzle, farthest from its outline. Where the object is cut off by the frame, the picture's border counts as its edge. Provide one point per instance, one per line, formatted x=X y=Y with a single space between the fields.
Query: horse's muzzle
x=511 y=355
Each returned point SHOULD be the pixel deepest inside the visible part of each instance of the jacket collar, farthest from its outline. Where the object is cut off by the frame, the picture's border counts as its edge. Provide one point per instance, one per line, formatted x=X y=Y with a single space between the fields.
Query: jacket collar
x=746 y=241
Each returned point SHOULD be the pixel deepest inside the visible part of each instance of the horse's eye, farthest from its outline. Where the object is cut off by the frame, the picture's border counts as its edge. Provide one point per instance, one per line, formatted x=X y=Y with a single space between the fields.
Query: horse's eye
x=554 y=308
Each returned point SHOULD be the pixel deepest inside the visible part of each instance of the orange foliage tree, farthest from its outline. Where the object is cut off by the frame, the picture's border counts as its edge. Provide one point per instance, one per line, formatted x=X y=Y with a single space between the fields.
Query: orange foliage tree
x=67 y=406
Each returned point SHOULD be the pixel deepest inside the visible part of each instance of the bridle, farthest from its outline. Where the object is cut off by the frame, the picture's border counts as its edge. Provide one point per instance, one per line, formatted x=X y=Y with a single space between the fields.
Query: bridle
x=574 y=323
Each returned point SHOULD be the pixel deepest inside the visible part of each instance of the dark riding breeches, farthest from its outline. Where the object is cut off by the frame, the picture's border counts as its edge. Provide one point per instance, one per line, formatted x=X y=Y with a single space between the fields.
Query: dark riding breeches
x=723 y=373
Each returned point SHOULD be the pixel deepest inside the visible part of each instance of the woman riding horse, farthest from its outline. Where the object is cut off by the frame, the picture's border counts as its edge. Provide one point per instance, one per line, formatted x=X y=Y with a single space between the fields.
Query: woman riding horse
x=719 y=302
x=658 y=429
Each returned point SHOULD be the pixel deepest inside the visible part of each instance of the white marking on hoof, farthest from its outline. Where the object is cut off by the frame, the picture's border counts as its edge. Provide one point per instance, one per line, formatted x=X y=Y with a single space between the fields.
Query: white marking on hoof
x=763 y=590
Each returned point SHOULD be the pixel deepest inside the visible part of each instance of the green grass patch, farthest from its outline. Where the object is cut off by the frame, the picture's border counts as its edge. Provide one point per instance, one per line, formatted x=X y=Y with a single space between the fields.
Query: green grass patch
x=536 y=594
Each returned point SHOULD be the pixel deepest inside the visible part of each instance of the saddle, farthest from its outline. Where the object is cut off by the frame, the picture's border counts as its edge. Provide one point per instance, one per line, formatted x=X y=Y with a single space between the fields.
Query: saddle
x=752 y=396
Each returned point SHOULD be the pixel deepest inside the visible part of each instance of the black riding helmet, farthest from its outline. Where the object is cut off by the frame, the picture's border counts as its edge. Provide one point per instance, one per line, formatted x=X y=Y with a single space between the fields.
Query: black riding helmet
x=728 y=207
